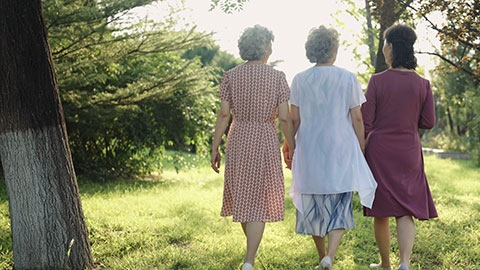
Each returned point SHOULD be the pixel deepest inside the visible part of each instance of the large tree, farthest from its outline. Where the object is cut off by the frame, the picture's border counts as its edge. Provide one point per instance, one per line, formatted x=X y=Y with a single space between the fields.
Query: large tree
x=48 y=228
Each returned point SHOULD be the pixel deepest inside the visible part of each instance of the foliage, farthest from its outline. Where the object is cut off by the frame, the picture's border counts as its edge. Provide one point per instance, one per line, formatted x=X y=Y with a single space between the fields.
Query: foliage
x=460 y=53
x=458 y=108
x=228 y=6
x=458 y=36
x=148 y=225
x=215 y=58
x=127 y=91
x=447 y=141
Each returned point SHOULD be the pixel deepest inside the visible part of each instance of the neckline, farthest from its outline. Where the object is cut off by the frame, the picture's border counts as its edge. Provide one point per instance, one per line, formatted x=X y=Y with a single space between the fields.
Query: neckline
x=401 y=70
x=315 y=66
x=254 y=64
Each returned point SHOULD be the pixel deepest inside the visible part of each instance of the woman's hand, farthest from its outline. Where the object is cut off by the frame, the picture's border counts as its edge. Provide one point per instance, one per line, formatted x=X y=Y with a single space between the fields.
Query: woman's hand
x=220 y=126
x=287 y=155
x=215 y=160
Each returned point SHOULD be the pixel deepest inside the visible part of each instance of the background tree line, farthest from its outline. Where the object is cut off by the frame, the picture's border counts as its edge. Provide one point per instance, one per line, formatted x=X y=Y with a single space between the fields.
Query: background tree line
x=131 y=88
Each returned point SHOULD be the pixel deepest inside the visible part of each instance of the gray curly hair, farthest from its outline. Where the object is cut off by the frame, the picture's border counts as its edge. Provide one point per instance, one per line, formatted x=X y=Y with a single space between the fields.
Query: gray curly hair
x=252 y=42
x=321 y=44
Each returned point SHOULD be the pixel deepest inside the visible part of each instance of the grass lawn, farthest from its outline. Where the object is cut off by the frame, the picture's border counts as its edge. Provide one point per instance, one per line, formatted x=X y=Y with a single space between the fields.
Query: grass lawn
x=172 y=222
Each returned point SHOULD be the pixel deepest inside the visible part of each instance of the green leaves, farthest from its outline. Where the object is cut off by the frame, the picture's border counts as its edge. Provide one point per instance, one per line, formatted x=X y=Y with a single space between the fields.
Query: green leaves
x=228 y=6
x=125 y=87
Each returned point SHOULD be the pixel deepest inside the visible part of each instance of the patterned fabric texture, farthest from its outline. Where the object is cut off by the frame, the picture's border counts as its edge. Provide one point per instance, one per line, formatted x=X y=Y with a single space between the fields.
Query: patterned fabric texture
x=253 y=188
x=324 y=213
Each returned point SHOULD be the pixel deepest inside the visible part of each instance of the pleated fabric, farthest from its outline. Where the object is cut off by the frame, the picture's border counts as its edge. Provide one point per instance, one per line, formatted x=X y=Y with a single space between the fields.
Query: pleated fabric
x=324 y=213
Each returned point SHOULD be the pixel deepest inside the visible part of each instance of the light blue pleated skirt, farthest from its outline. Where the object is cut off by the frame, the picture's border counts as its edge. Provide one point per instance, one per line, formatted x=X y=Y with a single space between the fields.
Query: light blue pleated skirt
x=324 y=213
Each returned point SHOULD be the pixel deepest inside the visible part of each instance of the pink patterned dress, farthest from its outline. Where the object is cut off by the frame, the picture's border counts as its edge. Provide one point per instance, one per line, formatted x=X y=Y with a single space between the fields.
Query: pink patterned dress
x=254 y=189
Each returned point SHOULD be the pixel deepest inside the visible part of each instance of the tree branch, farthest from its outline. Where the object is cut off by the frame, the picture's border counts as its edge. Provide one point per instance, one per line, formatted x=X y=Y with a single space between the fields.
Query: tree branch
x=434 y=26
x=469 y=72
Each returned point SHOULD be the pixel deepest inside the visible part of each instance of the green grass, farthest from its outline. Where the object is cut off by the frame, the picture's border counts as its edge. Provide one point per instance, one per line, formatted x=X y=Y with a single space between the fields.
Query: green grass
x=171 y=221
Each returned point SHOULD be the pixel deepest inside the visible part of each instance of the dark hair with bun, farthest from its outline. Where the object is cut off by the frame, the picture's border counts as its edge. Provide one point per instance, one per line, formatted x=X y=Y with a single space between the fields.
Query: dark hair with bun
x=402 y=37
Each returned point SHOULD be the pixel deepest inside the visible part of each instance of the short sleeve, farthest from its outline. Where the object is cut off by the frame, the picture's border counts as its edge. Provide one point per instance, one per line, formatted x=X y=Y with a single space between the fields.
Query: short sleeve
x=284 y=94
x=224 y=91
x=294 y=98
x=357 y=97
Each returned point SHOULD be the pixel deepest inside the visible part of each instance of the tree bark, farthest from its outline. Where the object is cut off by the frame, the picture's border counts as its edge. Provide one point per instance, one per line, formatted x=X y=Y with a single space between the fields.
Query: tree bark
x=450 y=120
x=370 y=34
x=387 y=18
x=390 y=12
x=45 y=209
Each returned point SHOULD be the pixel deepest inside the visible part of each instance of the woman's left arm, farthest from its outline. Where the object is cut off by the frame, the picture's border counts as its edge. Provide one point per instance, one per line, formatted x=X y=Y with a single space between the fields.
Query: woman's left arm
x=427 y=116
x=220 y=126
x=357 y=120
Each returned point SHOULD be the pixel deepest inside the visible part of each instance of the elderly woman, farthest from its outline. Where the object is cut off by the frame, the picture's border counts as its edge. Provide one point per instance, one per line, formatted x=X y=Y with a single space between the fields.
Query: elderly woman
x=399 y=102
x=254 y=189
x=328 y=164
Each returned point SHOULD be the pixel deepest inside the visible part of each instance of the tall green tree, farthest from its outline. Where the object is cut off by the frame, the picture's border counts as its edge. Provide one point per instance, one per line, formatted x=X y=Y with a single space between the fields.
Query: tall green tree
x=126 y=89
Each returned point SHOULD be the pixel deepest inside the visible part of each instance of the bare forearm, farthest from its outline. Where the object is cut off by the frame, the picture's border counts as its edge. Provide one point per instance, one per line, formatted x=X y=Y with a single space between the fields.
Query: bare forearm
x=220 y=126
x=296 y=124
x=360 y=132
x=287 y=128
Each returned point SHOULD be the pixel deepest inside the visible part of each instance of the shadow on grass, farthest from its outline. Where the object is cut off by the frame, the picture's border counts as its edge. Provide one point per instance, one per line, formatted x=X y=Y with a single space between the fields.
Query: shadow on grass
x=89 y=187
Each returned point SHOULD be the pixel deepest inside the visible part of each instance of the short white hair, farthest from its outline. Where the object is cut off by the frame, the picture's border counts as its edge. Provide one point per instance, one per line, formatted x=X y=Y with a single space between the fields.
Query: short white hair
x=321 y=44
x=253 y=41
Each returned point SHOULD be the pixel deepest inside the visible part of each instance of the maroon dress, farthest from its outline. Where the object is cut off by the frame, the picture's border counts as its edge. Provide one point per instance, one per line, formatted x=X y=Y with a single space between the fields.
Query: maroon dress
x=398 y=104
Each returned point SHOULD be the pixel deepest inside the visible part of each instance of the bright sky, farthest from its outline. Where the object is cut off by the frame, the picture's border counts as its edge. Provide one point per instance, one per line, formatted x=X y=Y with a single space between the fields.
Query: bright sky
x=290 y=21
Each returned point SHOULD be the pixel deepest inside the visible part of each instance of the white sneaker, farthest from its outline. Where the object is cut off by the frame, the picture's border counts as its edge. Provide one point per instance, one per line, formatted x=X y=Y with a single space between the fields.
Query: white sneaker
x=326 y=263
x=403 y=266
x=379 y=266
x=247 y=266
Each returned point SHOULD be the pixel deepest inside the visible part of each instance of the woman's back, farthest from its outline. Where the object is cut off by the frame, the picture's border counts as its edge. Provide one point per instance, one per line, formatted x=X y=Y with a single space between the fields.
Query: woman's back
x=255 y=92
x=399 y=98
x=328 y=158
x=398 y=103
x=254 y=187
x=325 y=95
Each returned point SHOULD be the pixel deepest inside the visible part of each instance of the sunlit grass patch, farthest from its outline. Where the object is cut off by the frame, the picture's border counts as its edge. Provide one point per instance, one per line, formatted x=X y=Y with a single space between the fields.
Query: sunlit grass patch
x=171 y=221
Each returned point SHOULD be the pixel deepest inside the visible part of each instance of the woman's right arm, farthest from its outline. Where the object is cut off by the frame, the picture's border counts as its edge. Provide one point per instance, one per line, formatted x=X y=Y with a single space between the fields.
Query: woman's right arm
x=287 y=154
x=357 y=120
x=286 y=124
x=222 y=121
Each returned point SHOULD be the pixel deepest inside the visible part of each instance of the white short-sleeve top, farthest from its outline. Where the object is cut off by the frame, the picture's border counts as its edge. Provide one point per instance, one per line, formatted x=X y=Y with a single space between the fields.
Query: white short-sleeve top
x=328 y=158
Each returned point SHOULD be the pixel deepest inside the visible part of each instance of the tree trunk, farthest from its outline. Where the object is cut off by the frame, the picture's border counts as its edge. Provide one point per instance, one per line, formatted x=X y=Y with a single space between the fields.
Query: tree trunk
x=45 y=209
x=380 y=64
x=388 y=17
x=370 y=34
x=450 y=120
x=478 y=149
